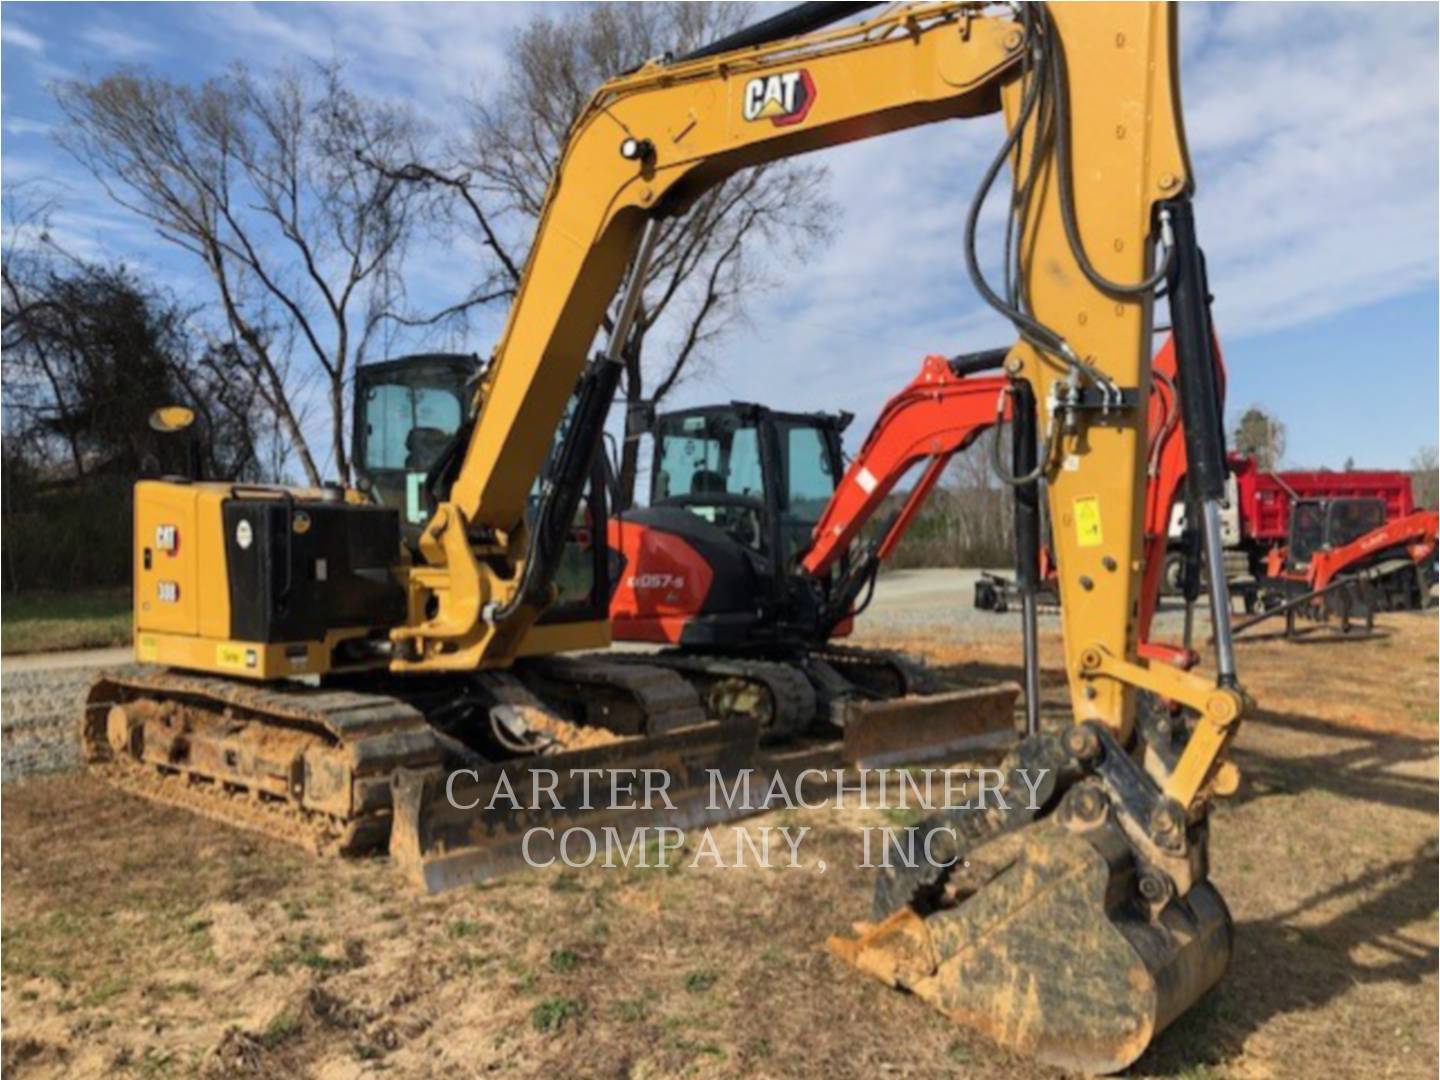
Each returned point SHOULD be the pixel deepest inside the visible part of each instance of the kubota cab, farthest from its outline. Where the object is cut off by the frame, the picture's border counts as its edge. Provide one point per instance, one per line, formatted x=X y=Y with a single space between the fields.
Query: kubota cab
x=735 y=492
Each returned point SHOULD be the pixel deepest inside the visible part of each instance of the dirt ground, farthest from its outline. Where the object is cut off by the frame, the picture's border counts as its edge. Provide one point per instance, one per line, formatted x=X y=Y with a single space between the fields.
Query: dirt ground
x=140 y=941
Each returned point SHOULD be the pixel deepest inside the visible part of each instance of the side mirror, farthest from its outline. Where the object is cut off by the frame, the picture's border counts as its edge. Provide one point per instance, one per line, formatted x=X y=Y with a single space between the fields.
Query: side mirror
x=639 y=419
x=169 y=419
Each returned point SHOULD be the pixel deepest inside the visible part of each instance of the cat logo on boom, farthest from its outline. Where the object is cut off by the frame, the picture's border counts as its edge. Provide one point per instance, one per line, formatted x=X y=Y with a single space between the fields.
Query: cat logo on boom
x=785 y=98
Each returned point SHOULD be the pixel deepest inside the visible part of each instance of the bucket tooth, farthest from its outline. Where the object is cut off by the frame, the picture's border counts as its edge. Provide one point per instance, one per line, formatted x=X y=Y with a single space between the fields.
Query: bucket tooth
x=1056 y=957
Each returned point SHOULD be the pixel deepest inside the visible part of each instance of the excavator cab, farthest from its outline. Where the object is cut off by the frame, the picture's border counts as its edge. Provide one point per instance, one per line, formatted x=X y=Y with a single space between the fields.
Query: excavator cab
x=407 y=412
x=1318 y=524
x=761 y=476
x=409 y=425
x=735 y=492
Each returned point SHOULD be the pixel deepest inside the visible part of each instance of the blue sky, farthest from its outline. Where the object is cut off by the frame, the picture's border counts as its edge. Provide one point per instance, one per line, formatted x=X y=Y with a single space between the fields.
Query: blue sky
x=1315 y=151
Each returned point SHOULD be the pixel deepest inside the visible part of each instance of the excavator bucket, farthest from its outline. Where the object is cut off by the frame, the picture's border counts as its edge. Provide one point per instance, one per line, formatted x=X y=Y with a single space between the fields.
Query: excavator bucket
x=1051 y=936
x=465 y=825
x=944 y=726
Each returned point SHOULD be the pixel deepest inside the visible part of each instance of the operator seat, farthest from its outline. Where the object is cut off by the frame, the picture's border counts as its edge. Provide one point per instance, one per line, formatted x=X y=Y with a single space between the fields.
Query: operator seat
x=707 y=482
x=423 y=447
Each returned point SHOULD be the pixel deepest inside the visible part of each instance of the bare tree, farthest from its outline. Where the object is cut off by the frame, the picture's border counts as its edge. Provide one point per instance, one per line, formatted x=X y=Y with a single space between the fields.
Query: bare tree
x=1425 y=475
x=32 y=376
x=261 y=182
x=706 y=262
x=90 y=351
x=1261 y=435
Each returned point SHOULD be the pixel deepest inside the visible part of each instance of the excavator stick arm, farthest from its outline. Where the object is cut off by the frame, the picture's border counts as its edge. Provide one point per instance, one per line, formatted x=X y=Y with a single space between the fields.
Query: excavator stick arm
x=1166 y=473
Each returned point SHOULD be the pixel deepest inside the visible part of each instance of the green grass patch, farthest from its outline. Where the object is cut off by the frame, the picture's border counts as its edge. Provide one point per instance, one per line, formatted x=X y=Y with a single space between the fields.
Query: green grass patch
x=563 y=960
x=462 y=928
x=306 y=952
x=554 y=1013
x=295 y=910
x=631 y=1010
x=49 y=621
x=473 y=962
x=104 y=991
x=698 y=982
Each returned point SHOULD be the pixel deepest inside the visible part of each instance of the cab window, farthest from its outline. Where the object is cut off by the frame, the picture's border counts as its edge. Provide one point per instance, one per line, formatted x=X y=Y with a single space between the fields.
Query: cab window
x=1307 y=532
x=809 y=471
x=409 y=426
x=703 y=455
x=1351 y=519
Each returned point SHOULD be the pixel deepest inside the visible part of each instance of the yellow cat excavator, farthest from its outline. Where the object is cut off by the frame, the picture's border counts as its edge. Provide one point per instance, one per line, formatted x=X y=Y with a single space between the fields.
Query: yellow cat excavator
x=1073 y=925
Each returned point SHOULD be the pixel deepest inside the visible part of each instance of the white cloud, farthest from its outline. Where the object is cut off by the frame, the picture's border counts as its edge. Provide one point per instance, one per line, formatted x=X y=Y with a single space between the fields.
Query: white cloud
x=433 y=53
x=1316 y=171
x=115 y=44
x=1315 y=157
x=11 y=34
x=293 y=29
x=18 y=125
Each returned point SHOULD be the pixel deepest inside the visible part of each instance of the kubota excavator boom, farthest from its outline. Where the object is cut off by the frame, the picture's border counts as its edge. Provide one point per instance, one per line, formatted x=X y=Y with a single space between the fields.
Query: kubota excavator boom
x=941 y=412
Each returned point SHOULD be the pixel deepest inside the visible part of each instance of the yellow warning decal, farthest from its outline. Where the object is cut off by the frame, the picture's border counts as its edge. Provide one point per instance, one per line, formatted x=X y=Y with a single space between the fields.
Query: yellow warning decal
x=147 y=648
x=1087 y=522
x=233 y=656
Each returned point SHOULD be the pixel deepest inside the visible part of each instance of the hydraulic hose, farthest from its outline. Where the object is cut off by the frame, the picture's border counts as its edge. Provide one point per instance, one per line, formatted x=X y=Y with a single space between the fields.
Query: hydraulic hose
x=792 y=22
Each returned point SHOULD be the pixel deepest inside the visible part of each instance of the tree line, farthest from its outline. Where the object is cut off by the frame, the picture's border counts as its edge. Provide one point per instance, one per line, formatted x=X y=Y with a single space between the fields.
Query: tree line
x=321 y=227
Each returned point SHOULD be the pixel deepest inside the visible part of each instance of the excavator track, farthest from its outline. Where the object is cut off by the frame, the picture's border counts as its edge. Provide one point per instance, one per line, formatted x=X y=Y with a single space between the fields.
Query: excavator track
x=627 y=698
x=305 y=765
x=878 y=670
x=777 y=695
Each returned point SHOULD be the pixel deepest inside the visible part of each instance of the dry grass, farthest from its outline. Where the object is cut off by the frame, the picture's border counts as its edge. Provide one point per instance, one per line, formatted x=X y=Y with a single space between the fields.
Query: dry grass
x=49 y=621
x=141 y=941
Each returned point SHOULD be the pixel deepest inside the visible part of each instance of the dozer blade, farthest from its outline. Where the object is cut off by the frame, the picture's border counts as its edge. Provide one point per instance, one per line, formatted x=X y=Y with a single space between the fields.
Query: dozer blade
x=930 y=727
x=450 y=828
x=1054 y=956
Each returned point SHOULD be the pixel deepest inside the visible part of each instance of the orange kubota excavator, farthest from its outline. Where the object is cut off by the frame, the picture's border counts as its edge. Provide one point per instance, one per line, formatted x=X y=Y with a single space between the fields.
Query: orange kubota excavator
x=1073 y=924
x=750 y=548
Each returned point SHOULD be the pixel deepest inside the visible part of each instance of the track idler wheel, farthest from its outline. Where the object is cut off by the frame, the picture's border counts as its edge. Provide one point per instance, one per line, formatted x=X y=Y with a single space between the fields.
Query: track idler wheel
x=1054 y=937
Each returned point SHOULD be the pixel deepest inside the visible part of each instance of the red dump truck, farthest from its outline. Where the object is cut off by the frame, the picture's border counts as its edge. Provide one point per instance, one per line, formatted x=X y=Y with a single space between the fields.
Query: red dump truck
x=1257 y=515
